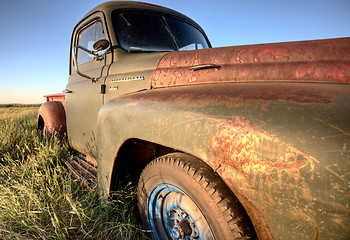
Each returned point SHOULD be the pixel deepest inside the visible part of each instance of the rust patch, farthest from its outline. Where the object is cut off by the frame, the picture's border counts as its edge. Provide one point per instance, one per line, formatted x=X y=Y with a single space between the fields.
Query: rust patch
x=269 y=166
x=257 y=54
x=196 y=59
x=156 y=75
x=60 y=97
x=267 y=171
x=251 y=150
x=178 y=74
x=310 y=61
x=54 y=117
x=324 y=71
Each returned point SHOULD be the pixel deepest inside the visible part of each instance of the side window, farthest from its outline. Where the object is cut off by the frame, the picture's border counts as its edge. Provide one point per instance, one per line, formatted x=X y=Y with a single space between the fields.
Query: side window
x=86 y=38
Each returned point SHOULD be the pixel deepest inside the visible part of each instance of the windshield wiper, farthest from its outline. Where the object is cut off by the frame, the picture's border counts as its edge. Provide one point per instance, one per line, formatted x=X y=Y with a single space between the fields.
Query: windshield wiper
x=140 y=49
x=171 y=34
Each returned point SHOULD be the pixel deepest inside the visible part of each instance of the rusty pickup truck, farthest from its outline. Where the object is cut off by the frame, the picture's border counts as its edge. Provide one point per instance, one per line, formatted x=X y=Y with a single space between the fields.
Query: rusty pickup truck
x=225 y=143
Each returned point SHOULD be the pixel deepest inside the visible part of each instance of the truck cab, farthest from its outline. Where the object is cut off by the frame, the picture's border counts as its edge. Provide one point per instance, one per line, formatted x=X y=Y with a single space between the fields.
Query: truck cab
x=139 y=35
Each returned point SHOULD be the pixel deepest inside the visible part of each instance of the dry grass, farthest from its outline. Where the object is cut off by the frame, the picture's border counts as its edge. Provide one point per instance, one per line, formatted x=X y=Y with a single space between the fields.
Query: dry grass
x=41 y=199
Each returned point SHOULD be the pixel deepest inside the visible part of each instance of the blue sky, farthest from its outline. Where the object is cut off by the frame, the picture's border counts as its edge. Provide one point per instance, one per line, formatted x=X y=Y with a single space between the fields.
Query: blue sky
x=35 y=34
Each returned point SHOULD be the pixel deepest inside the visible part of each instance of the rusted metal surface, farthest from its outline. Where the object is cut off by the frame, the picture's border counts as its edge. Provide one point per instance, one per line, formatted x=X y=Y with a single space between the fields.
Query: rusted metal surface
x=281 y=147
x=56 y=97
x=274 y=173
x=243 y=94
x=53 y=116
x=83 y=170
x=307 y=61
x=244 y=151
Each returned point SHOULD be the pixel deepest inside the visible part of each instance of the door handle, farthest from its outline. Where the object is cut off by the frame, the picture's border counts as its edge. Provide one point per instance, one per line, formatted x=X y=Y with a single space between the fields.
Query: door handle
x=204 y=66
x=67 y=91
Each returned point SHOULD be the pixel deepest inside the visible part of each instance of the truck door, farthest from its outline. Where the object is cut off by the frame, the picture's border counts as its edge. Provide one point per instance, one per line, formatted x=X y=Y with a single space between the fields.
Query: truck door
x=83 y=97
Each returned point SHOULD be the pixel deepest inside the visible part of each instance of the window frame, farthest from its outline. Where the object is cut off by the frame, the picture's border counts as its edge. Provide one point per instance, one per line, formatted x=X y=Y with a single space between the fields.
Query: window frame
x=80 y=31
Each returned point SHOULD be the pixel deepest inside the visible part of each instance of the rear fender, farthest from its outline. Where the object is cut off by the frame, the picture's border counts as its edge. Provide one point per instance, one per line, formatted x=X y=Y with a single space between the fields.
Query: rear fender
x=52 y=115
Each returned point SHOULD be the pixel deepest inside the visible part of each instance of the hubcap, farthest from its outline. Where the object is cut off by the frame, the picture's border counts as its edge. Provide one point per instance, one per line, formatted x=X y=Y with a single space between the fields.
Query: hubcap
x=174 y=215
x=181 y=229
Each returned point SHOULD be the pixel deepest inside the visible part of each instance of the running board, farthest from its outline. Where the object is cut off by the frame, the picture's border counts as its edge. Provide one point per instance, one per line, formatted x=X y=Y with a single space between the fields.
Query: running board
x=83 y=169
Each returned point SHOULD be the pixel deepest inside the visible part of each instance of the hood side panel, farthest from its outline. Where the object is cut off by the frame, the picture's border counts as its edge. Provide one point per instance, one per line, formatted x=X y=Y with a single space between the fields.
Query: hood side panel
x=307 y=61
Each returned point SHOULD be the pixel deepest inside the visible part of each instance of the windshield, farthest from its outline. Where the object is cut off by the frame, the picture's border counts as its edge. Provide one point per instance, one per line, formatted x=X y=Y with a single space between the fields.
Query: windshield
x=139 y=31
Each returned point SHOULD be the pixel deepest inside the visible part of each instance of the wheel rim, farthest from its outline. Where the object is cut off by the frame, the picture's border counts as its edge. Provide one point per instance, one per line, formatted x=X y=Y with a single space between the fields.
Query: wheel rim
x=173 y=215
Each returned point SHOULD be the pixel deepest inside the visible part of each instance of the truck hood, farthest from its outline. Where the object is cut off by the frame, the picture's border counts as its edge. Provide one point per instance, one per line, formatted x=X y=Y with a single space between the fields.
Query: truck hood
x=306 y=61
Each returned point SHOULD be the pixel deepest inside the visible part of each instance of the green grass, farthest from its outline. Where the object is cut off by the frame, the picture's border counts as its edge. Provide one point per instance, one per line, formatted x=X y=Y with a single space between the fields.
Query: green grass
x=41 y=199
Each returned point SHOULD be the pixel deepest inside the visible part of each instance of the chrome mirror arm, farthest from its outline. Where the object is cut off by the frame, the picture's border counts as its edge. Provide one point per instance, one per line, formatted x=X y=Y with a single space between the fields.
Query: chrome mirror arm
x=96 y=57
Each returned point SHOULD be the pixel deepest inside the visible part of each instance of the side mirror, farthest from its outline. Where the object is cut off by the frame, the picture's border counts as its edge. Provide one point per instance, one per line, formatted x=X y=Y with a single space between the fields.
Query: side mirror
x=100 y=45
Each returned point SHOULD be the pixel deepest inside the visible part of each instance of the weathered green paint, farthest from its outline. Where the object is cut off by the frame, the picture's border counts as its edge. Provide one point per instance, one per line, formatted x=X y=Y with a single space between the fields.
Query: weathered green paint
x=286 y=160
x=85 y=100
x=117 y=65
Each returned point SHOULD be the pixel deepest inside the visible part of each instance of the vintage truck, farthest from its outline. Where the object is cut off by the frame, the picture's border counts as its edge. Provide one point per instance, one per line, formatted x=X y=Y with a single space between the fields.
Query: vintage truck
x=226 y=143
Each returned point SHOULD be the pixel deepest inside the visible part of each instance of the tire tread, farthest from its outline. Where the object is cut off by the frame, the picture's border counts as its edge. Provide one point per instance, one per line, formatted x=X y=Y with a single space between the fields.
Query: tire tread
x=225 y=204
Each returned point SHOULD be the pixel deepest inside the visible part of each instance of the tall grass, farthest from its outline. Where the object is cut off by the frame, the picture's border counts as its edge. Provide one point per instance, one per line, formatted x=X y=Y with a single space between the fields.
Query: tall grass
x=41 y=199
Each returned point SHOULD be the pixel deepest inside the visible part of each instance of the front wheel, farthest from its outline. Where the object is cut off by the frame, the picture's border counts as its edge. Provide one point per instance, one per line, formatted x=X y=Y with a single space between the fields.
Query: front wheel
x=180 y=197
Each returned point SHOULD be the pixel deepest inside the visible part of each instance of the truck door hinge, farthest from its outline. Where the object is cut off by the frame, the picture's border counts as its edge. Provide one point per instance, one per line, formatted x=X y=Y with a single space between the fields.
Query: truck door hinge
x=103 y=88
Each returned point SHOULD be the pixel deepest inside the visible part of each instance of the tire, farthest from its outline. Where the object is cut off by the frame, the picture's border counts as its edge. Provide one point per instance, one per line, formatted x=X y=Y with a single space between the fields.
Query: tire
x=180 y=197
x=47 y=135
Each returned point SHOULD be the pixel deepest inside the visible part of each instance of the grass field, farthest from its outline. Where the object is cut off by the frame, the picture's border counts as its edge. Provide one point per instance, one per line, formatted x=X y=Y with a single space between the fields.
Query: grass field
x=41 y=199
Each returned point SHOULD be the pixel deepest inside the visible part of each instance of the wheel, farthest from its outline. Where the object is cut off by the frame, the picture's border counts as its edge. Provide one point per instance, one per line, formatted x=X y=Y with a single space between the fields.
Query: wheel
x=180 y=197
x=46 y=134
x=49 y=133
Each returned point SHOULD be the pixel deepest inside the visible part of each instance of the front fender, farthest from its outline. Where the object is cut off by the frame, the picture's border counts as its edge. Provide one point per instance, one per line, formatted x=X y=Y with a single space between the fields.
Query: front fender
x=281 y=148
x=53 y=115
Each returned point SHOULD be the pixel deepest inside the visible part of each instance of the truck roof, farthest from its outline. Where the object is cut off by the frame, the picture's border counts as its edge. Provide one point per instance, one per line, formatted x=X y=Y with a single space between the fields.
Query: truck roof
x=113 y=5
